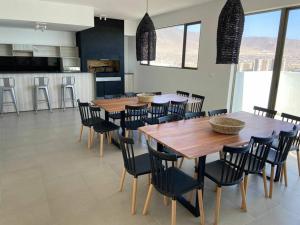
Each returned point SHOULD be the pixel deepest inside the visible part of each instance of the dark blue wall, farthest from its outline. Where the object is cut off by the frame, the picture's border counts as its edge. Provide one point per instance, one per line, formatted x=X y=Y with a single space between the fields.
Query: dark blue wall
x=104 y=41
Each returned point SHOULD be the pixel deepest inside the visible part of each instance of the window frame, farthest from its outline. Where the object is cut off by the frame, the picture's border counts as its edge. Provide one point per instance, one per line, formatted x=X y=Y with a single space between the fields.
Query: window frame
x=183 y=56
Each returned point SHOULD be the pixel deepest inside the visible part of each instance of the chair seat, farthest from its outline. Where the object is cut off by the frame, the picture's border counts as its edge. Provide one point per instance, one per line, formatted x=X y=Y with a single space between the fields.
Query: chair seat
x=214 y=171
x=142 y=165
x=134 y=125
x=105 y=126
x=170 y=152
x=115 y=115
x=180 y=183
x=151 y=121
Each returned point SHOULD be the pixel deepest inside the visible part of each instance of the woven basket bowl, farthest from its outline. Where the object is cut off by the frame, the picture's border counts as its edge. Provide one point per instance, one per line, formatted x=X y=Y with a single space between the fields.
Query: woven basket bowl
x=225 y=125
x=145 y=97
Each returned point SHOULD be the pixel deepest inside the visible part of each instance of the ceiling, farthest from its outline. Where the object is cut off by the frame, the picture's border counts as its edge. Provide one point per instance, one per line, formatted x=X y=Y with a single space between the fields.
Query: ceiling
x=132 y=9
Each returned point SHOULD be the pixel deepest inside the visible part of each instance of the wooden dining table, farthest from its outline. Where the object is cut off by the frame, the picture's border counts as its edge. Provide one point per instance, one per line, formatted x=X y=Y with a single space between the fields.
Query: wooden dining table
x=195 y=139
x=118 y=104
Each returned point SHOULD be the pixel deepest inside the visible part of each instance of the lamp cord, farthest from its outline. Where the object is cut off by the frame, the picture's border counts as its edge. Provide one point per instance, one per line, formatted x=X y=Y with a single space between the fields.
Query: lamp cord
x=147 y=7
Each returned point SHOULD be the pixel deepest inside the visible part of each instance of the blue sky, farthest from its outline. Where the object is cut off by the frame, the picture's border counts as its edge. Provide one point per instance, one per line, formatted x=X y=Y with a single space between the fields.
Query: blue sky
x=267 y=24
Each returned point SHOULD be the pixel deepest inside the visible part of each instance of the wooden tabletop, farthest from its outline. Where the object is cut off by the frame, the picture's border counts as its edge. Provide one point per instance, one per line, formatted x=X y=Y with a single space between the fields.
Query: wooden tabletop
x=195 y=138
x=118 y=104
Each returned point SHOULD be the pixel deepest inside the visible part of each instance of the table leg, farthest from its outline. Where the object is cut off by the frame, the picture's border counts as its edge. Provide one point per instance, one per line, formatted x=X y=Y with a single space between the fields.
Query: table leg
x=106 y=116
x=122 y=122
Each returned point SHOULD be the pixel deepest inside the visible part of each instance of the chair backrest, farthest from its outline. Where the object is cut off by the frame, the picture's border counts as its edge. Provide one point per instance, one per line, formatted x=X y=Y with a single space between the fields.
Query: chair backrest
x=161 y=165
x=197 y=106
x=234 y=161
x=217 y=112
x=285 y=141
x=259 y=151
x=126 y=145
x=294 y=120
x=136 y=113
x=159 y=109
x=157 y=93
x=260 y=111
x=84 y=109
x=7 y=82
x=130 y=94
x=68 y=80
x=41 y=81
x=178 y=108
x=95 y=113
x=183 y=93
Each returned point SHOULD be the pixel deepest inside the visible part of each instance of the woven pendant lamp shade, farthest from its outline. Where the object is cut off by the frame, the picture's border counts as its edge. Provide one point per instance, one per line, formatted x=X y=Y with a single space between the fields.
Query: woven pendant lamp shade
x=146 y=40
x=230 y=31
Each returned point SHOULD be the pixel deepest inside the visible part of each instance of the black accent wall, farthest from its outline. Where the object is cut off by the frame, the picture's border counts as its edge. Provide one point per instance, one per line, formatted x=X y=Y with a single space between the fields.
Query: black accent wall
x=104 y=41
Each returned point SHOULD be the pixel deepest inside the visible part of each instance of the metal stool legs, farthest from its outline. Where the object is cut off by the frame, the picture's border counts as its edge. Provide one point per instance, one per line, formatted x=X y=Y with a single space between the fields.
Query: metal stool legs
x=63 y=95
x=8 y=86
x=37 y=100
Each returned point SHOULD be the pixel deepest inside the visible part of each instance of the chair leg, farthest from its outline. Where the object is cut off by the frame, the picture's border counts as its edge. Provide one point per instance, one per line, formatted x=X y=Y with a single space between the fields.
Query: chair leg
x=101 y=136
x=281 y=175
x=149 y=179
x=80 y=134
x=201 y=207
x=109 y=137
x=191 y=197
x=181 y=162
x=173 y=214
x=92 y=138
x=126 y=133
x=285 y=174
x=140 y=136
x=218 y=205
x=89 y=138
x=166 y=201
x=271 y=182
x=133 y=196
x=148 y=200
x=243 y=193
x=298 y=160
x=265 y=182
x=246 y=184
x=122 y=180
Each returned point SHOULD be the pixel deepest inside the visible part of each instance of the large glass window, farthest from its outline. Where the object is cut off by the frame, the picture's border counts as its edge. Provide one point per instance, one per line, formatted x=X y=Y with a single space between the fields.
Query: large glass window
x=177 y=46
x=254 y=71
x=288 y=90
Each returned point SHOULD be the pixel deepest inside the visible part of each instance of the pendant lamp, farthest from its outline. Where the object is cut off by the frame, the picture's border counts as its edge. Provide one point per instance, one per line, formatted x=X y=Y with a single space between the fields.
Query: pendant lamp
x=146 y=39
x=230 y=32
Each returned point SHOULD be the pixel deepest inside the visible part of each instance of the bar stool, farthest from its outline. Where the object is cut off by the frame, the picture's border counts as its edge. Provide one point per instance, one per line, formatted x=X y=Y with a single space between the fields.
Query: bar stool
x=8 y=85
x=41 y=83
x=68 y=83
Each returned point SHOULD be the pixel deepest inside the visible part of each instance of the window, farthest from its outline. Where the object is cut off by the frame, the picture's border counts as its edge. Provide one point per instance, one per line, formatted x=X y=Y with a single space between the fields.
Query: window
x=268 y=73
x=177 y=46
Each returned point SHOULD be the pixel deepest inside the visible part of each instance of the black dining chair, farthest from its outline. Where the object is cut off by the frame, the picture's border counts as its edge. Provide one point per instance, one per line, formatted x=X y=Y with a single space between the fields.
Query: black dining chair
x=103 y=127
x=178 y=108
x=296 y=144
x=86 y=120
x=217 y=112
x=156 y=111
x=135 y=165
x=183 y=93
x=277 y=156
x=260 y=111
x=135 y=117
x=113 y=115
x=256 y=162
x=228 y=171
x=196 y=107
x=157 y=93
x=171 y=182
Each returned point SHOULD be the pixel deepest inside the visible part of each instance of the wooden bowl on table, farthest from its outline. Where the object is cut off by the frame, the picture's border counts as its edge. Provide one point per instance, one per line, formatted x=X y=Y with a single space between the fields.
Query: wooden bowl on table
x=226 y=125
x=145 y=97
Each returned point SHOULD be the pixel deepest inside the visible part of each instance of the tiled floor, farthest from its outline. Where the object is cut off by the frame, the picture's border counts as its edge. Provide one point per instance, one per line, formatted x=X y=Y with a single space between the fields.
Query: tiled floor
x=48 y=178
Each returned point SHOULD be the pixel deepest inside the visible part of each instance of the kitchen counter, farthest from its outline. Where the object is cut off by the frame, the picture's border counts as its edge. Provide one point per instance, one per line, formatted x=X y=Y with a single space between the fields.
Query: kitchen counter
x=84 y=88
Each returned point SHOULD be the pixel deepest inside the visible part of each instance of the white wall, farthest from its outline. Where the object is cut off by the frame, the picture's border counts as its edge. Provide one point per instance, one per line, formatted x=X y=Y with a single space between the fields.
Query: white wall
x=213 y=81
x=73 y=17
x=30 y=36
